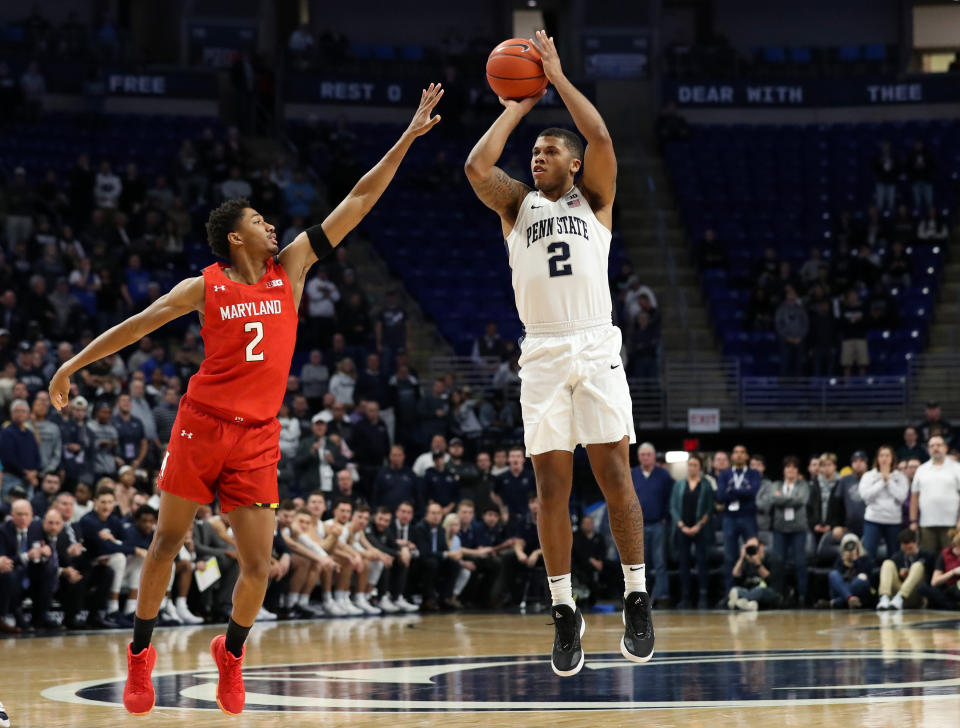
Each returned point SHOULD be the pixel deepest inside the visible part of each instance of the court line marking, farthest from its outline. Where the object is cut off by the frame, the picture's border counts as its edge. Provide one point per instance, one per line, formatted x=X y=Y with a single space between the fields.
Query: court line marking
x=67 y=692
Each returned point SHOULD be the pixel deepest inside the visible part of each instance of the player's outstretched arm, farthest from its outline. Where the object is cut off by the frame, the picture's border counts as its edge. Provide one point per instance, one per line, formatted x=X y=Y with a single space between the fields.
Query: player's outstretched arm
x=600 y=162
x=495 y=188
x=297 y=257
x=183 y=298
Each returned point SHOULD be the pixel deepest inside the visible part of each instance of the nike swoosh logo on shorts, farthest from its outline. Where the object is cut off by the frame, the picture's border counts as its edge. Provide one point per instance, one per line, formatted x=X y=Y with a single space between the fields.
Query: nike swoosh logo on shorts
x=614 y=366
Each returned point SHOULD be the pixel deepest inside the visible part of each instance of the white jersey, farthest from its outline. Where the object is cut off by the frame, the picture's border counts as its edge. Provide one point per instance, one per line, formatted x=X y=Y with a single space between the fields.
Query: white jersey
x=559 y=253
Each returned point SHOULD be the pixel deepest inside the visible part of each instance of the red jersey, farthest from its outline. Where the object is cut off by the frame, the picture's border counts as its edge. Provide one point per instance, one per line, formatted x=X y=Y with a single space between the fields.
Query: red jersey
x=249 y=333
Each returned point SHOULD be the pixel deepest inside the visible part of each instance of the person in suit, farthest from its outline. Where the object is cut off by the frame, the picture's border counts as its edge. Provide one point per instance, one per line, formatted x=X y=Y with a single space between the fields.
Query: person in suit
x=437 y=566
x=43 y=497
x=33 y=568
x=209 y=539
x=318 y=458
x=82 y=589
x=381 y=536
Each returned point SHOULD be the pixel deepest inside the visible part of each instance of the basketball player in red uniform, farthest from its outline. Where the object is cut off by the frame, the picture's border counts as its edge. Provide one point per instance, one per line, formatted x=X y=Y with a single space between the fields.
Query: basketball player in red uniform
x=225 y=440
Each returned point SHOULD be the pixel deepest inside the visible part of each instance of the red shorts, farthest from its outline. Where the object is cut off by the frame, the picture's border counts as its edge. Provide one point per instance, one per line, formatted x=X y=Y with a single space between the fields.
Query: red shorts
x=210 y=457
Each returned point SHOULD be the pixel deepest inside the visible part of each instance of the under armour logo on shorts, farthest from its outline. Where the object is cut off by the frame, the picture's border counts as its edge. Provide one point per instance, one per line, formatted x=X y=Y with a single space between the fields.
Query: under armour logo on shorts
x=188 y=435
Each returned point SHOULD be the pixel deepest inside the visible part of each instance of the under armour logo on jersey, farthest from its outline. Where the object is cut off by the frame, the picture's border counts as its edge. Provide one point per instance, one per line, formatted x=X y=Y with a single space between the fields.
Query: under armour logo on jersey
x=219 y=288
x=188 y=435
x=275 y=283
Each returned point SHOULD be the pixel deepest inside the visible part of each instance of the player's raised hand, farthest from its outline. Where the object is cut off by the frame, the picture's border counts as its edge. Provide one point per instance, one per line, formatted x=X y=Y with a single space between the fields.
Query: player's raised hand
x=548 y=55
x=523 y=105
x=59 y=390
x=422 y=122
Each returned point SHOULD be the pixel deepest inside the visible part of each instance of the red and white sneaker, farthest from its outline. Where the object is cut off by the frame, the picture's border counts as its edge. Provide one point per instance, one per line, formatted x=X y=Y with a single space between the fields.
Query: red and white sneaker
x=138 y=695
x=230 y=692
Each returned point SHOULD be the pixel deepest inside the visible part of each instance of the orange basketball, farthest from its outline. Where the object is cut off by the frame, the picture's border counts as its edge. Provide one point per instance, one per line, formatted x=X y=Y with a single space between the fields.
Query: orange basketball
x=514 y=70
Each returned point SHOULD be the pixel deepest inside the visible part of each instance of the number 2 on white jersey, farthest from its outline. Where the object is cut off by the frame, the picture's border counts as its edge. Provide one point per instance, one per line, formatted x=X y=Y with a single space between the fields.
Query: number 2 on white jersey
x=256 y=326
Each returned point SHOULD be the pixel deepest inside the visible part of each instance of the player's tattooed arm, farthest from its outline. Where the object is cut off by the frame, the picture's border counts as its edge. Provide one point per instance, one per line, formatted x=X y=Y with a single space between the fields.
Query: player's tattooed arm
x=495 y=188
x=500 y=192
x=183 y=298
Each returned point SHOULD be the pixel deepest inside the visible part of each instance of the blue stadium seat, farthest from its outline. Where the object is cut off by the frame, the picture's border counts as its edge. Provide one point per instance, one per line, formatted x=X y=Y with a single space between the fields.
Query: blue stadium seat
x=412 y=52
x=849 y=53
x=875 y=52
x=773 y=54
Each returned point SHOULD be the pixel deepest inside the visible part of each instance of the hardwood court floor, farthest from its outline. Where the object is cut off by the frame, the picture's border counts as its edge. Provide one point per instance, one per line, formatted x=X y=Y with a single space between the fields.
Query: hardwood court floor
x=711 y=669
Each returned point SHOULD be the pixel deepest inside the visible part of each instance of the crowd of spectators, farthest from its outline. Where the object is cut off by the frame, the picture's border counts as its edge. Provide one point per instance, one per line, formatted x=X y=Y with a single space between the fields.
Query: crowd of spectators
x=822 y=311
x=883 y=531
x=452 y=531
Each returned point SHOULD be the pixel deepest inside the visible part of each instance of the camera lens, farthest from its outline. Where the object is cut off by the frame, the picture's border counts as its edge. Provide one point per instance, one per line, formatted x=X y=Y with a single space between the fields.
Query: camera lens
x=752 y=550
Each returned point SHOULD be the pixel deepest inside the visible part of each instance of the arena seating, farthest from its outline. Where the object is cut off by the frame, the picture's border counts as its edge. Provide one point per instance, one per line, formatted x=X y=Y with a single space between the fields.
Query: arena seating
x=784 y=187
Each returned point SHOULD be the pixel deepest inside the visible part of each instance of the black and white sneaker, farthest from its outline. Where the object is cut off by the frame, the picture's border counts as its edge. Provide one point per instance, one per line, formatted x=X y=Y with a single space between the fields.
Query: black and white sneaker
x=4 y=718
x=567 y=657
x=637 y=642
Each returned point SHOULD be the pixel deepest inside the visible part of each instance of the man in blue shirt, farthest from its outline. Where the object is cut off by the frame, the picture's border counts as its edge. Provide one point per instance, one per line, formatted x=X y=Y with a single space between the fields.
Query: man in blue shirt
x=395 y=483
x=513 y=486
x=19 y=452
x=132 y=441
x=737 y=490
x=138 y=534
x=654 y=486
x=102 y=534
x=440 y=485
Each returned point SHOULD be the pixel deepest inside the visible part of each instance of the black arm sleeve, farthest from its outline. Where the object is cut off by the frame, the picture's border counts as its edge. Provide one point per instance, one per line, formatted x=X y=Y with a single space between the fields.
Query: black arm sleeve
x=319 y=242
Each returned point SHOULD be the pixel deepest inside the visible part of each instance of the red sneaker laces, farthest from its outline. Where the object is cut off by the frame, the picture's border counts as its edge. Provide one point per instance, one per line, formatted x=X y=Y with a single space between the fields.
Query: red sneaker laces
x=141 y=676
x=234 y=675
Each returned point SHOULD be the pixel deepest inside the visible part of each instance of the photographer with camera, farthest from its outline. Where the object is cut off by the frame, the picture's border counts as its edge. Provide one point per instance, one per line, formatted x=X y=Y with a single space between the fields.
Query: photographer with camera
x=758 y=578
x=850 y=578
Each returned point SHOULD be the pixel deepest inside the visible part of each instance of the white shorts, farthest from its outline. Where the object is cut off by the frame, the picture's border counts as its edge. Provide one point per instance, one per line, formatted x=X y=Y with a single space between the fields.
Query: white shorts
x=573 y=390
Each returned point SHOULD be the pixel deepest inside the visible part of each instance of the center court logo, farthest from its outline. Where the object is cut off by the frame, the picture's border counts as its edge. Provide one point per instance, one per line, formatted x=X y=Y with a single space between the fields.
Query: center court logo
x=722 y=679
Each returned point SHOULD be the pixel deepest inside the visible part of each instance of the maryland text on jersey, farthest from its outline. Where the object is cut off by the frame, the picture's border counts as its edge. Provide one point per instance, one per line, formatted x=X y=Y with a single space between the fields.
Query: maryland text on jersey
x=256 y=308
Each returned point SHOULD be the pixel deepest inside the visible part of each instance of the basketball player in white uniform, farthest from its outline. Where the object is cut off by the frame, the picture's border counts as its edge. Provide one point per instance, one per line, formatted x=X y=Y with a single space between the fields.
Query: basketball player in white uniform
x=573 y=387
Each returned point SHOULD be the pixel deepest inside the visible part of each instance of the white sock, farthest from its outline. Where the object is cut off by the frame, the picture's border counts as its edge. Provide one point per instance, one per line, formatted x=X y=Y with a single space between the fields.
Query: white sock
x=181 y=602
x=303 y=599
x=561 y=589
x=327 y=597
x=341 y=595
x=130 y=607
x=634 y=578
x=112 y=606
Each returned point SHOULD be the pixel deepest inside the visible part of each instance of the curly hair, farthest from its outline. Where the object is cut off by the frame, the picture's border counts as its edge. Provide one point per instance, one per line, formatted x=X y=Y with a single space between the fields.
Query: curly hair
x=571 y=140
x=223 y=221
